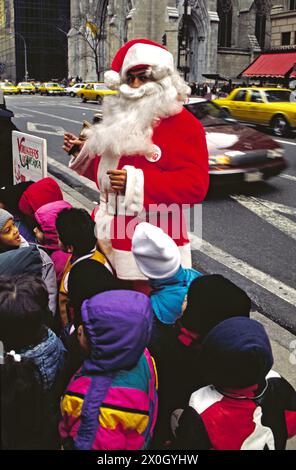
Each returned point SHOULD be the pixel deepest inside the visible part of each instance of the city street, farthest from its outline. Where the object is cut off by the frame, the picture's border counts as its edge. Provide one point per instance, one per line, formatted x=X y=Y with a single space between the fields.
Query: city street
x=248 y=234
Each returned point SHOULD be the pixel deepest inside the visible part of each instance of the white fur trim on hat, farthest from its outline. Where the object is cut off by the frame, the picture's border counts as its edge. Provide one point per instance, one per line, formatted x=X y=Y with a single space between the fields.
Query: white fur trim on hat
x=112 y=79
x=147 y=54
x=156 y=254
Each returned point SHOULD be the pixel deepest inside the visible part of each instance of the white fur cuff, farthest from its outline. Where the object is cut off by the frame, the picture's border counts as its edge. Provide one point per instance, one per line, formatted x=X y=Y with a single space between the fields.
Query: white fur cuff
x=134 y=192
x=112 y=79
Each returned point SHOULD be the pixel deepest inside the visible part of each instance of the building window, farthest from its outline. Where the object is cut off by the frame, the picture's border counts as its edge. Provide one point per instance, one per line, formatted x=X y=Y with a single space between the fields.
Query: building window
x=262 y=10
x=292 y=5
x=286 y=39
x=224 y=10
x=260 y=26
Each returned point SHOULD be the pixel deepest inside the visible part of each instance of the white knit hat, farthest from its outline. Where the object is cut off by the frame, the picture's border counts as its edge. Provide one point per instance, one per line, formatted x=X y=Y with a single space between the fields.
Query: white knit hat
x=156 y=254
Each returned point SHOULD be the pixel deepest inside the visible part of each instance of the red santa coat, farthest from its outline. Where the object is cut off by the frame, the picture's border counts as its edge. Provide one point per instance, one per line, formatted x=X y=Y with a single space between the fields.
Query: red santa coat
x=179 y=177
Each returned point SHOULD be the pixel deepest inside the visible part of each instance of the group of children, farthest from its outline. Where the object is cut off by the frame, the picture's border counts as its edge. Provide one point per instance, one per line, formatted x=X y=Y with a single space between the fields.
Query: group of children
x=91 y=364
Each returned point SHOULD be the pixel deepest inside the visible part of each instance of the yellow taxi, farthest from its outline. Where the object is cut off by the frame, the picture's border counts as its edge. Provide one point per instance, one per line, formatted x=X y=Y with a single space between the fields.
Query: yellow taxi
x=9 y=88
x=51 y=88
x=95 y=92
x=26 y=87
x=272 y=107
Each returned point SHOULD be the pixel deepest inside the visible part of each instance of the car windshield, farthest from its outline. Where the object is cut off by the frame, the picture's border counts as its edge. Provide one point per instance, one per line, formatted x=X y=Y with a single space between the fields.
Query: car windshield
x=209 y=114
x=274 y=96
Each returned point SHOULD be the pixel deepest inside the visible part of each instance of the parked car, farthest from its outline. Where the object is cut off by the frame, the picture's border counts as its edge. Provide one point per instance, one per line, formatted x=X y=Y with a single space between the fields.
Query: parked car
x=72 y=90
x=237 y=153
x=272 y=107
x=95 y=92
x=9 y=88
x=51 y=88
x=37 y=86
x=26 y=87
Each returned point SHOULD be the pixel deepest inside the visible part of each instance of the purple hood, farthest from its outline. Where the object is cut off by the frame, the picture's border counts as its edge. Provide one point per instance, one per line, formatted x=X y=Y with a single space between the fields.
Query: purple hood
x=118 y=325
x=46 y=217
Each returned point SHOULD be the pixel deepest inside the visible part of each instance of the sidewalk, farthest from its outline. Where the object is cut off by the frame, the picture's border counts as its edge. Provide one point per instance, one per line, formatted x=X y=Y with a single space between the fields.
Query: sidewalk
x=282 y=341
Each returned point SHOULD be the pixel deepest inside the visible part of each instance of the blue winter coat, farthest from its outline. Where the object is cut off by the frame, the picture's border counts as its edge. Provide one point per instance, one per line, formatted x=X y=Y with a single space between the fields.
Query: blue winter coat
x=48 y=356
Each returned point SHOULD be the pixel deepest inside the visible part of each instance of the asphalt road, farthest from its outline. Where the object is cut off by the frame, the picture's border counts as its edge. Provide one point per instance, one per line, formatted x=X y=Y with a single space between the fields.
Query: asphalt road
x=248 y=233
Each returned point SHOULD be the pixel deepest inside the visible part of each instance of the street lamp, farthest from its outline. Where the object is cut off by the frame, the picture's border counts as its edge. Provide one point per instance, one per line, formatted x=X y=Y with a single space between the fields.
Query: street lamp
x=25 y=49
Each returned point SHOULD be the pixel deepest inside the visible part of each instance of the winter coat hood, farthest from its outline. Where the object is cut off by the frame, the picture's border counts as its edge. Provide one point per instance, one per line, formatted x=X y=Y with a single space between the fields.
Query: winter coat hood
x=36 y=195
x=236 y=354
x=22 y=260
x=118 y=325
x=168 y=294
x=46 y=217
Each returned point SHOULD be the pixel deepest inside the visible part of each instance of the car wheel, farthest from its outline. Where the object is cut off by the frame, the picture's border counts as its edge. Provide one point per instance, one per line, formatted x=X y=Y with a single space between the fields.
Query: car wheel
x=72 y=94
x=99 y=99
x=280 y=126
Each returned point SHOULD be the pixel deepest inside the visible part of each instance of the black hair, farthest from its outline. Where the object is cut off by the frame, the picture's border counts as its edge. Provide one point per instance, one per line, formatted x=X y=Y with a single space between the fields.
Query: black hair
x=25 y=415
x=86 y=279
x=76 y=228
x=23 y=311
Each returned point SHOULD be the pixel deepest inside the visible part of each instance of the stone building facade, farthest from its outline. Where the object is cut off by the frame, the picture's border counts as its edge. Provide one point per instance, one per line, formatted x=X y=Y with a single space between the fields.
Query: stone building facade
x=205 y=36
x=283 y=22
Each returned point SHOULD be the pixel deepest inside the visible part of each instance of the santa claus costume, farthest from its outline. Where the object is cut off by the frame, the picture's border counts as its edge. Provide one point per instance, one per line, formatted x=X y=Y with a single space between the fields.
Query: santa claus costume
x=147 y=132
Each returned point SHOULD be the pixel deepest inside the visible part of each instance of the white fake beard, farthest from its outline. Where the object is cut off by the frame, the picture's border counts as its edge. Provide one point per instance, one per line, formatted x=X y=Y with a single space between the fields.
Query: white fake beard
x=129 y=118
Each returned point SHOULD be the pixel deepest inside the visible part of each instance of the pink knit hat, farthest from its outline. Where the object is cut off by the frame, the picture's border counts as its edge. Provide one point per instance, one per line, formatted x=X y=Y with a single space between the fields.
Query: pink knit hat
x=136 y=53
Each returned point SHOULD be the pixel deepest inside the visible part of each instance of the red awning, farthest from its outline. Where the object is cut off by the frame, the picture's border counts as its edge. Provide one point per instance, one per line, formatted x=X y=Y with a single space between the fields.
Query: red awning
x=272 y=65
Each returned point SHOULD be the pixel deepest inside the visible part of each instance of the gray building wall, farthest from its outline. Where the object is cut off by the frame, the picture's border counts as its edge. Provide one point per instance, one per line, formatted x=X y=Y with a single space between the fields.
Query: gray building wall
x=128 y=19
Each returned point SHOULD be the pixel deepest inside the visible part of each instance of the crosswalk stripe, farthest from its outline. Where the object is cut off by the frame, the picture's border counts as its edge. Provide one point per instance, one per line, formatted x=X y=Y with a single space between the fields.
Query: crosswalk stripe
x=48 y=115
x=269 y=283
x=288 y=177
x=285 y=142
x=268 y=214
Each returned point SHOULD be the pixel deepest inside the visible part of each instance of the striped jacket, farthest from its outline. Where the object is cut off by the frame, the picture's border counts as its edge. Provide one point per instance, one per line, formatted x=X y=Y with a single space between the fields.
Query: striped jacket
x=127 y=414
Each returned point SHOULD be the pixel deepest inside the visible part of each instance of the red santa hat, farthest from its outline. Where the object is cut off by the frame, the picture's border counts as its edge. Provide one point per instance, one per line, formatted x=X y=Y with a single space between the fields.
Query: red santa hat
x=137 y=53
